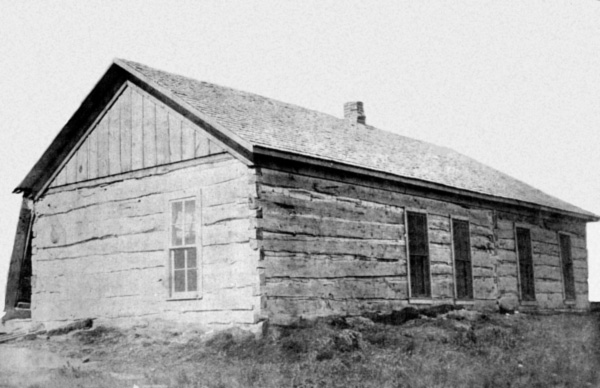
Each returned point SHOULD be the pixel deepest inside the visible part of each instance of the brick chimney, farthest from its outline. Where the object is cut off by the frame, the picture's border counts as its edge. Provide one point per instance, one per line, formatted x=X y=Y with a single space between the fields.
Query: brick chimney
x=354 y=112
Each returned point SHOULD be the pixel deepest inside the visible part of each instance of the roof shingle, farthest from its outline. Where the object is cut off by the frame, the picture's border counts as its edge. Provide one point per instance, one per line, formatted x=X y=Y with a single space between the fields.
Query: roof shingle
x=285 y=127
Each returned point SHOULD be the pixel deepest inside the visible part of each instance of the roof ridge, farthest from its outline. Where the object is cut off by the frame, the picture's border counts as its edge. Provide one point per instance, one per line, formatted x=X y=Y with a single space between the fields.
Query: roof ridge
x=236 y=90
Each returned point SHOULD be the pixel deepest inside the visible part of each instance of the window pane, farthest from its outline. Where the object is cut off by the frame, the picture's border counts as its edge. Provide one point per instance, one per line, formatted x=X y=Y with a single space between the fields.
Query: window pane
x=176 y=223
x=462 y=259
x=176 y=237
x=567 y=266
x=190 y=210
x=190 y=234
x=192 y=280
x=178 y=259
x=191 y=258
x=417 y=234
x=179 y=280
x=419 y=254
x=176 y=213
x=526 y=276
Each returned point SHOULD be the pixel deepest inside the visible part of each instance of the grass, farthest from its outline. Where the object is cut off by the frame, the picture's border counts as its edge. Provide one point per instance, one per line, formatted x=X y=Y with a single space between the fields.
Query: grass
x=492 y=351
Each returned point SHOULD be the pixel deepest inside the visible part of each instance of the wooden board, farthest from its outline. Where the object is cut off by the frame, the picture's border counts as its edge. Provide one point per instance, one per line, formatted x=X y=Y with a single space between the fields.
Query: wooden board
x=135 y=132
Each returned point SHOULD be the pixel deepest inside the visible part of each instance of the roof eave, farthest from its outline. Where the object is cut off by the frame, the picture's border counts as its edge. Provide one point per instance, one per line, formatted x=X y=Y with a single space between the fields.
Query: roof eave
x=266 y=151
x=71 y=133
x=38 y=178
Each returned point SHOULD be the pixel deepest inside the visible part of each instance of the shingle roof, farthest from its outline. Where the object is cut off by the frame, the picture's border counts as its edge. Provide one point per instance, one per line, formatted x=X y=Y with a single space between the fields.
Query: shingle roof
x=285 y=127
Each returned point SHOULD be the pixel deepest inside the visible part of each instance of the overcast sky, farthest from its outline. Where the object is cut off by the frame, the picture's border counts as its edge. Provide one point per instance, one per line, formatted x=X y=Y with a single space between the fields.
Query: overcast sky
x=513 y=84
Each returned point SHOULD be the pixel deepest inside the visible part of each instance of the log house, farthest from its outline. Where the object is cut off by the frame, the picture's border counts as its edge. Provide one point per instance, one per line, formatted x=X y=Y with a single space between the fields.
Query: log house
x=165 y=197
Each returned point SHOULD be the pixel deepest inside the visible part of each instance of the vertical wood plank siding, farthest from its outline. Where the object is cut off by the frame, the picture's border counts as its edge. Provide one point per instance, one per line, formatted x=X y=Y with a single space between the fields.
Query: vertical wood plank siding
x=136 y=132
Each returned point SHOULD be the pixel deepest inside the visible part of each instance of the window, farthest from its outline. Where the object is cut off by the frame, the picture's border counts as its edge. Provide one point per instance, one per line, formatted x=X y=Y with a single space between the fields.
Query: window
x=419 y=255
x=567 y=266
x=183 y=259
x=526 y=280
x=462 y=259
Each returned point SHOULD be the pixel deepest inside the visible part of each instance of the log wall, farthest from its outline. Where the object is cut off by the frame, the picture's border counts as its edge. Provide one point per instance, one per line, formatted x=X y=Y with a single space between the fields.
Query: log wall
x=101 y=250
x=333 y=244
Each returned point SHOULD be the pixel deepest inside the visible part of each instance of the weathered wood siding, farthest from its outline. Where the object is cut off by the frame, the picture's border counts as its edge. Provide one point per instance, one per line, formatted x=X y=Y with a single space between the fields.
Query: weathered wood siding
x=334 y=245
x=136 y=131
x=547 y=270
x=101 y=250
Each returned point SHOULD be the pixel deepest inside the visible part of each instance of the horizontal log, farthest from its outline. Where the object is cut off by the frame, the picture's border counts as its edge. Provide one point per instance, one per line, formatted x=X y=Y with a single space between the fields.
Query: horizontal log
x=542 y=259
x=231 y=191
x=436 y=222
x=563 y=225
x=224 y=213
x=483 y=259
x=545 y=249
x=328 y=227
x=90 y=265
x=483 y=272
x=508 y=234
x=228 y=317
x=209 y=309
x=437 y=236
x=198 y=176
x=507 y=269
x=483 y=231
x=507 y=284
x=518 y=217
x=105 y=285
x=440 y=253
x=218 y=277
x=550 y=300
x=579 y=253
x=375 y=249
x=482 y=243
x=581 y=288
x=546 y=272
x=342 y=189
x=341 y=288
x=232 y=231
x=544 y=235
x=481 y=217
x=75 y=228
x=229 y=254
x=277 y=202
x=441 y=269
x=507 y=256
x=578 y=242
x=322 y=266
x=109 y=245
x=506 y=244
x=289 y=310
x=580 y=263
x=548 y=286
x=442 y=286
x=581 y=274
x=484 y=288
x=504 y=225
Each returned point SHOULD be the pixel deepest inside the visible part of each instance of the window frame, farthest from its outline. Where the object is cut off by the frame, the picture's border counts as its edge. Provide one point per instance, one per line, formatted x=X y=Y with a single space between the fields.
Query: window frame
x=417 y=298
x=562 y=268
x=470 y=253
x=182 y=196
x=519 y=259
